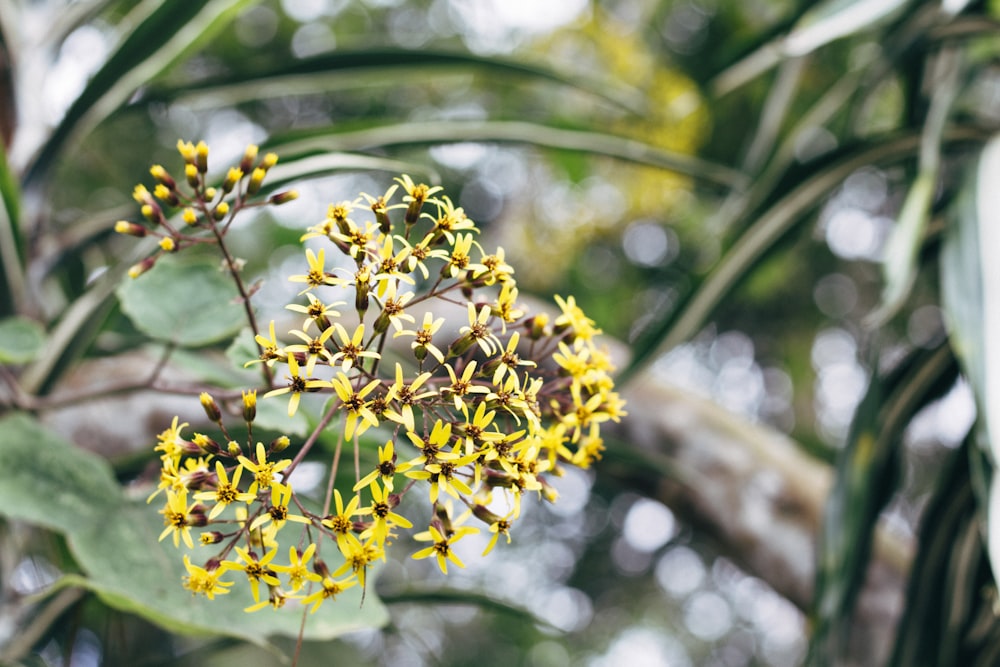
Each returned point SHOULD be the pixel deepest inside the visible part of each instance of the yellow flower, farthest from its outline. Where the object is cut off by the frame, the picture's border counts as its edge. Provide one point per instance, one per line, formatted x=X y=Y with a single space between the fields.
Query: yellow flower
x=441 y=549
x=297 y=385
x=177 y=519
x=357 y=556
x=269 y=349
x=342 y=523
x=203 y=582
x=257 y=570
x=226 y=492
x=297 y=570
x=462 y=386
x=317 y=275
x=359 y=413
x=277 y=514
x=352 y=348
x=329 y=590
x=263 y=470
x=406 y=395
x=383 y=518
x=423 y=337
x=385 y=470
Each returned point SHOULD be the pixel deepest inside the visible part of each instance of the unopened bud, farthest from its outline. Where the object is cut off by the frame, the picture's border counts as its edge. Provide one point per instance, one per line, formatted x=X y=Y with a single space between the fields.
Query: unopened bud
x=191 y=174
x=270 y=159
x=168 y=244
x=220 y=211
x=205 y=443
x=210 y=406
x=280 y=444
x=160 y=174
x=141 y=195
x=190 y=216
x=145 y=265
x=233 y=449
x=461 y=346
x=249 y=155
x=165 y=194
x=538 y=325
x=210 y=537
x=250 y=405
x=130 y=228
x=256 y=179
x=320 y=568
x=201 y=157
x=284 y=197
x=233 y=177
x=186 y=149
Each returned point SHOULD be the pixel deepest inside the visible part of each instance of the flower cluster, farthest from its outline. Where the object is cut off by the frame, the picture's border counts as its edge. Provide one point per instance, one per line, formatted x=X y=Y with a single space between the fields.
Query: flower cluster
x=202 y=207
x=413 y=333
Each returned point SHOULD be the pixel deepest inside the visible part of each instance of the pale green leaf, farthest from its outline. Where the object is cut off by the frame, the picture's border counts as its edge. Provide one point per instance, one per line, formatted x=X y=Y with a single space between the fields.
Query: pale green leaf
x=187 y=302
x=21 y=340
x=51 y=483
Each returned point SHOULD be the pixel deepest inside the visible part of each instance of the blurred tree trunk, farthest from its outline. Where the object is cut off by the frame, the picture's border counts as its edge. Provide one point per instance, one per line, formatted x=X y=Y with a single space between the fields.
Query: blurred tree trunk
x=755 y=492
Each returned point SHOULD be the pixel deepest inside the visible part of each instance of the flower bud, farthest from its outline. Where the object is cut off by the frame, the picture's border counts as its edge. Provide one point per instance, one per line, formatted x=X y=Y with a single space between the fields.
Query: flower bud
x=249 y=155
x=210 y=537
x=186 y=149
x=160 y=174
x=167 y=244
x=165 y=194
x=270 y=159
x=210 y=406
x=141 y=195
x=190 y=216
x=461 y=346
x=197 y=516
x=537 y=326
x=280 y=444
x=284 y=197
x=191 y=174
x=233 y=449
x=145 y=265
x=205 y=444
x=233 y=177
x=256 y=179
x=201 y=156
x=220 y=211
x=130 y=228
x=320 y=568
x=249 y=405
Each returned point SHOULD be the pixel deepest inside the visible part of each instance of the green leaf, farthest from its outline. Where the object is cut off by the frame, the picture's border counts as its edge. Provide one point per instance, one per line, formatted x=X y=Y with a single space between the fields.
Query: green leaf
x=186 y=302
x=163 y=33
x=49 y=482
x=21 y=340
x=438 y=132
x=768 y=228
x=867 y=476
x=824 y=23
x=343 y=68
x=114 y=539
x=970 y=286
x=11 y=264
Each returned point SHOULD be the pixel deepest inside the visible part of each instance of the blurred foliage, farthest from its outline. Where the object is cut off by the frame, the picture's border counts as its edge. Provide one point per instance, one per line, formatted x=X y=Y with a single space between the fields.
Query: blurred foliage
x=784 y=207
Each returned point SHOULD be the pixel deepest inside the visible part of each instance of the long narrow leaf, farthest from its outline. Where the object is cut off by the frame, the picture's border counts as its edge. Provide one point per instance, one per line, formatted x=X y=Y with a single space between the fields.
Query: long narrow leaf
x=867 y=476
x=769 y=228
x=970 y=277
x=346 y=67
x=437 y=132
x=14 y=278
x=824 y=23
x=172 y=31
